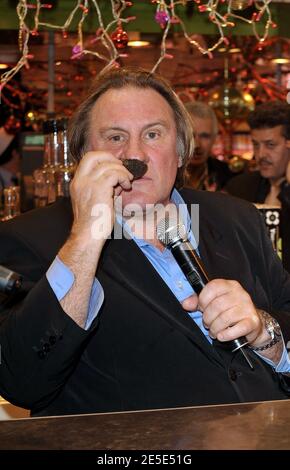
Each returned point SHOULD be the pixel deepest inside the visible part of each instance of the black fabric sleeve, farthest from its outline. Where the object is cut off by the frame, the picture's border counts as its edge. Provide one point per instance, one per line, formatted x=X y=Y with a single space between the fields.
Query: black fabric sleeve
x=40 y=343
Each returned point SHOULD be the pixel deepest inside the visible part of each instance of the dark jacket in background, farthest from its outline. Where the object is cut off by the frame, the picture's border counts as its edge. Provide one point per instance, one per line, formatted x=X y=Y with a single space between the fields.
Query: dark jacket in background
x=254 y=188
x=216 y=173
x=219 y=172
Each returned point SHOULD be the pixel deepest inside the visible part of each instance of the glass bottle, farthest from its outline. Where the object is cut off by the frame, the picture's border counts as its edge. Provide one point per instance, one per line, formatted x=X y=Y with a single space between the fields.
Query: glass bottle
x=11 y=202
x=52 y=158
x=65 y=171
x=44 y=177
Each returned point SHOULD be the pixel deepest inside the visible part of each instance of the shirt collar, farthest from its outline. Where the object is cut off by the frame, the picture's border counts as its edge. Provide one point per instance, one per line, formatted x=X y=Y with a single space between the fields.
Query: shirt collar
x=185 y=217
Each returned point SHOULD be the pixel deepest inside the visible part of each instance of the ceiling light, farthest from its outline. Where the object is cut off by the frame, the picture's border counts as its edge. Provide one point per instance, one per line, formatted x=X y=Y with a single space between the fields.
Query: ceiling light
x=4 y=66
x=280 y=60
x=138 y=43
x=137 y=40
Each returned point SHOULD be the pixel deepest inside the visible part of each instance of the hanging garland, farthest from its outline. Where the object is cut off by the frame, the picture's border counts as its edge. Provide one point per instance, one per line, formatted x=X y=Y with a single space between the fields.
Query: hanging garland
x=114 y=38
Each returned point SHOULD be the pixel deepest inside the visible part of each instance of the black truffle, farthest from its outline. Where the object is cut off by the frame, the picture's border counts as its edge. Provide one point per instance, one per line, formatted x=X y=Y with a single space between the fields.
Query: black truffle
x=136 y=167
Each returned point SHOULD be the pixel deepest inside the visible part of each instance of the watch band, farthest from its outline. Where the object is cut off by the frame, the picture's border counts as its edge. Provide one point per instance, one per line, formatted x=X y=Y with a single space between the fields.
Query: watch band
x=269 y=345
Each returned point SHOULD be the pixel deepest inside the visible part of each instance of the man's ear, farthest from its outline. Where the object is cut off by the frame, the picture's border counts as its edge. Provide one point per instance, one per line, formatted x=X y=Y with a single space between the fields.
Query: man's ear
x=180 y=161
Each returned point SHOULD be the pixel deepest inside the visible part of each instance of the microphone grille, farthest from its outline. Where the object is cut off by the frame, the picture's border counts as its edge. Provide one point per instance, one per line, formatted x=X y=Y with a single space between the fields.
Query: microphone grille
x=168 y=232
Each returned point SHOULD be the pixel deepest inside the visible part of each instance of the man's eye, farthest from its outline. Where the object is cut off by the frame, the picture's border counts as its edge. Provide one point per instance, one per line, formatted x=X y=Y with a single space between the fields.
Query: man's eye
x=152 y=134
x=204 y=136
x=116 y=138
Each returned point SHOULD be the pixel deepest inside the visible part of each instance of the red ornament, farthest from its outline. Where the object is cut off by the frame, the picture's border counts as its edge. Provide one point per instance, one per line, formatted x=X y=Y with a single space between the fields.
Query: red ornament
x=85 y=9
x=120 y=38
x=162 y=18
x=174 y=20
x=12 y=125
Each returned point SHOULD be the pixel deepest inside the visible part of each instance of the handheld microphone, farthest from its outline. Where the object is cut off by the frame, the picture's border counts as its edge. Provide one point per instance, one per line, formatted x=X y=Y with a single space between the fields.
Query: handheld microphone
x=175 y=238
x=10 y=281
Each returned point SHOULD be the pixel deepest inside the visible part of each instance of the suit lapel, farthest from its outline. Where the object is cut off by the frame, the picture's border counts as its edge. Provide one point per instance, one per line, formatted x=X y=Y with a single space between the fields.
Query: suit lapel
x=214 y=251
x=144 y=282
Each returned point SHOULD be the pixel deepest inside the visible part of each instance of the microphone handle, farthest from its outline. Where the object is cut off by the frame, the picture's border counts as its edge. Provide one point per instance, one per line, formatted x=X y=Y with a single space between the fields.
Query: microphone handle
x=10 y=281
x=191 y=265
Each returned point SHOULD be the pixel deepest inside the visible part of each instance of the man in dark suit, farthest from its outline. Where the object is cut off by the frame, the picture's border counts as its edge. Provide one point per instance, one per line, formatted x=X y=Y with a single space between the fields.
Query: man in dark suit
x=110 y=323
x=204 y=171
x=270 y=184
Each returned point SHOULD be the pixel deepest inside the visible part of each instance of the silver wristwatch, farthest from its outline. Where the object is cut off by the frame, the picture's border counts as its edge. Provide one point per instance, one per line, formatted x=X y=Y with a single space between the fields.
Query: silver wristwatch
x=273 y=329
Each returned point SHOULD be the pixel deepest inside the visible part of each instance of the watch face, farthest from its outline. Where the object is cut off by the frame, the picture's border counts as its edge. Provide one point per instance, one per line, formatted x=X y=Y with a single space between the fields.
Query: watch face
x=272 y=326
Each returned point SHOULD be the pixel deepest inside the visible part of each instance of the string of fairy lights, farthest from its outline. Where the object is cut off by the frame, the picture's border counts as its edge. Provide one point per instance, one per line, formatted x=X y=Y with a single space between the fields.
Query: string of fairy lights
x=166 y=15
x=113 y=38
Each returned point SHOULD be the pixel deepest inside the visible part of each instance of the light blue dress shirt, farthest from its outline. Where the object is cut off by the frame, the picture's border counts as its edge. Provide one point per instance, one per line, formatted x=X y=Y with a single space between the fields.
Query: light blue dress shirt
x=61 y=279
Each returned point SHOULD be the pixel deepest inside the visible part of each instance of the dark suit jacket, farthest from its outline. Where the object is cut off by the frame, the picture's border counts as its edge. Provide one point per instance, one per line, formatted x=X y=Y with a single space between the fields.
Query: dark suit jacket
x=219 y=172
x=254 y=188
x=143 y=351
x=249 y=186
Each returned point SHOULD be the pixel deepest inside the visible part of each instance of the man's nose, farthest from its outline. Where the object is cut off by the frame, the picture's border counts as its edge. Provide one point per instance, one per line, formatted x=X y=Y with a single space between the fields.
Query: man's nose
x=196 y=141
x=135 y=149
x=259 y=152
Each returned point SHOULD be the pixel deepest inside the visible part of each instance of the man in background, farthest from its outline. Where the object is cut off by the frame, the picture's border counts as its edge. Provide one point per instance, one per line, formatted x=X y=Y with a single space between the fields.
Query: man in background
x=203 y=171
x=270 y=130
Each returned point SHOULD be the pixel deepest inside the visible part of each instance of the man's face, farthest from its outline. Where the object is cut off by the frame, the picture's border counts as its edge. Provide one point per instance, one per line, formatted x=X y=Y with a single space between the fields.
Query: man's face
x=204 y=138
x=138 y=123
x=271 y=150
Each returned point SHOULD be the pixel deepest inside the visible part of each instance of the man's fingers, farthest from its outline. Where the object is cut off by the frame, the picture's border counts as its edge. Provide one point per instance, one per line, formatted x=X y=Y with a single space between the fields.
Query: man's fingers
x=242 y=328
x=190 y=303
x=216 y=288
x=110 y=173
x=91 y=161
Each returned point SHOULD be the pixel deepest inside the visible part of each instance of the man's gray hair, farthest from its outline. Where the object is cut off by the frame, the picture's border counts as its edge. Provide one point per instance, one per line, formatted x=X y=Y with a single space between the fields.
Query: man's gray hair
x=141 y=79
x=202 y=110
